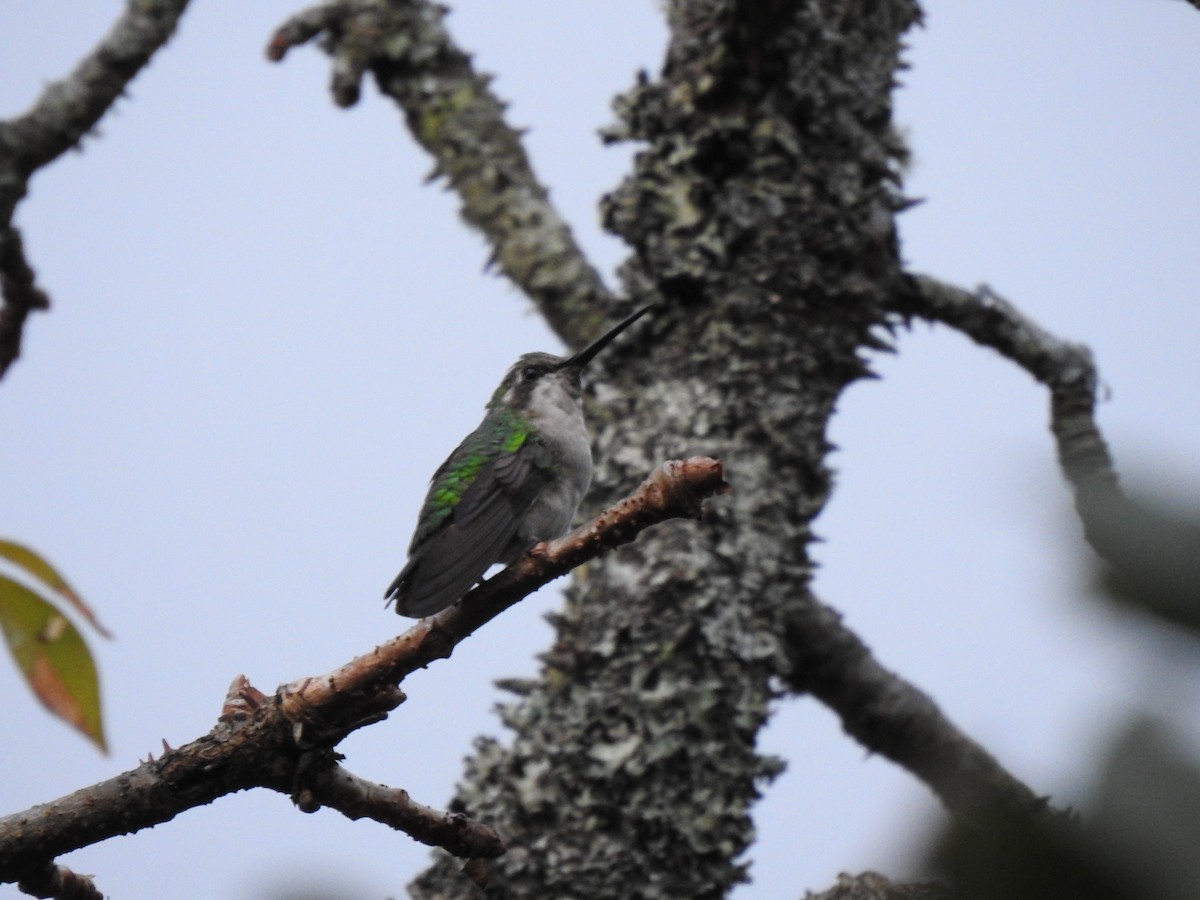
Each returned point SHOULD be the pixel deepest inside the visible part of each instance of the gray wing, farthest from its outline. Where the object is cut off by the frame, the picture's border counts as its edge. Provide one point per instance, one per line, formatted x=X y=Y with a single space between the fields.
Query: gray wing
x=450 y=561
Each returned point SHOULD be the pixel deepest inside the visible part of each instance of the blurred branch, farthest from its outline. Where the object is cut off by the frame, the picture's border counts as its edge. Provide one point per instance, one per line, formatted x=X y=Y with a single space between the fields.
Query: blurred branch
x=60 y=883
x=1153 y=553
x=1065 y=368
x=62 y=115
x=18 y=288
x=895 y=719
x=873 y=886
x=285 y=742
x=454 y=115
x=1155 y=559
x=1135 y=840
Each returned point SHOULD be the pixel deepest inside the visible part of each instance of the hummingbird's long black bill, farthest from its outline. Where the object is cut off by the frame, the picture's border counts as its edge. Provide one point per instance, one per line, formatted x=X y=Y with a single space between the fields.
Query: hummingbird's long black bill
x=584 y=356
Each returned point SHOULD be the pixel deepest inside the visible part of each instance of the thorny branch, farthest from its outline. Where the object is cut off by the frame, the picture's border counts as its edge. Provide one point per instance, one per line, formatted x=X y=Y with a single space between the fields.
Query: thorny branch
x=899 y=721
x=963 y=774
x=455 y=116
x=880 y=709
x=286 y=742
x=1065 y=368
x=62 y=115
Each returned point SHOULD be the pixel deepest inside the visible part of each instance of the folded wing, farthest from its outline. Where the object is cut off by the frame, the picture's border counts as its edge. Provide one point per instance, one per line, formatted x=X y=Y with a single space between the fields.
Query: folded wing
x=448 y=561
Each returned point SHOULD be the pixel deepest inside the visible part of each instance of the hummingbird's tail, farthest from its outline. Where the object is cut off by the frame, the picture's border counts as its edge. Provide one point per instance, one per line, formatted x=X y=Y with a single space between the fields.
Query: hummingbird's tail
x=413 y=598
x=444 y=567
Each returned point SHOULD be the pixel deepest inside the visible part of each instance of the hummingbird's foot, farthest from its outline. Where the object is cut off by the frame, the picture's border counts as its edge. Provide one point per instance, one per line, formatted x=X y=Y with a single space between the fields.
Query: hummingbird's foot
x=539 y=551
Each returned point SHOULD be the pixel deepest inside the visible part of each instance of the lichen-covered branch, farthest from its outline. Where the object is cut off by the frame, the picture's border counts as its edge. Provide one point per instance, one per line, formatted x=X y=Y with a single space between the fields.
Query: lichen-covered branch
x=1065 y=368
x=62 y=115
x=285 y=742
x=453 y=113
x=873 y=886
x=897 y=720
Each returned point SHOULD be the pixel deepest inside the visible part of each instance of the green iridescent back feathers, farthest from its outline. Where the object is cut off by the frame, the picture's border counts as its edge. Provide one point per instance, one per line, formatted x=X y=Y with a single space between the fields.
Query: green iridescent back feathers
x=502 y=430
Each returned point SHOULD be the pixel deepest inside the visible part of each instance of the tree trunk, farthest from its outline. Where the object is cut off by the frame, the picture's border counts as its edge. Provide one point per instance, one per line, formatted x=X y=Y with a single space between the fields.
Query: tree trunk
x=760 y=215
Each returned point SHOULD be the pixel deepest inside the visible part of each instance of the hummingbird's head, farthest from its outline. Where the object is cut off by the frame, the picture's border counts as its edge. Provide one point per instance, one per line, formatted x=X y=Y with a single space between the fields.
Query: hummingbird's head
x=543 y=378
x=532 y=377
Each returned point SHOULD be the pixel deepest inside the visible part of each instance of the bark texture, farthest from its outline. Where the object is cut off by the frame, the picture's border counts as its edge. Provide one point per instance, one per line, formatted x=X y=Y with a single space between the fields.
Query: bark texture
x=760 y=215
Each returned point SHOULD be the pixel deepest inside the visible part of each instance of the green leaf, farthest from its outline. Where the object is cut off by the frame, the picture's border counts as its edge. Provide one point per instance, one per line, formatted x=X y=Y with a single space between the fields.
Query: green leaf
x=37 y=566
x=51 y=654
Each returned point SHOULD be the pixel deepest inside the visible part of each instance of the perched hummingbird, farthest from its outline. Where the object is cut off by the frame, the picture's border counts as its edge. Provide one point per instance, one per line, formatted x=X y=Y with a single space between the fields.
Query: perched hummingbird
x=514 y=481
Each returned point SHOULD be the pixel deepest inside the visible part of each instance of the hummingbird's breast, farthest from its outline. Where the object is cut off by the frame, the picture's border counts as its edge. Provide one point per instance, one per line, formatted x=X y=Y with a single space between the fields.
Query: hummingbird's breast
x=557 y=418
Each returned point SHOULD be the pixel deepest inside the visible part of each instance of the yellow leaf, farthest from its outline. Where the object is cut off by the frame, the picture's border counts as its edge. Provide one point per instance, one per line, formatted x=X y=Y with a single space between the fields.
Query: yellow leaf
x=51 y=654
x=37 y=566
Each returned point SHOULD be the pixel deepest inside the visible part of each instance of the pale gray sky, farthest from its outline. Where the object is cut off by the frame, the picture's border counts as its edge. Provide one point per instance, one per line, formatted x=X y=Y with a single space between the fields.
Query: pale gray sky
x=267 y=334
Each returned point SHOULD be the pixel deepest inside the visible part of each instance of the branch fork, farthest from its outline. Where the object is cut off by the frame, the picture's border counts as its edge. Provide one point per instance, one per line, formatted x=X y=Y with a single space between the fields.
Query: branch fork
x=286 y=742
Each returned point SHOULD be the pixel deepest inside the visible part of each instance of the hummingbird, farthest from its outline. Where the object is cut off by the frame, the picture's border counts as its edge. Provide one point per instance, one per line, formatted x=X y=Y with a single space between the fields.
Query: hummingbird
x=513 y=482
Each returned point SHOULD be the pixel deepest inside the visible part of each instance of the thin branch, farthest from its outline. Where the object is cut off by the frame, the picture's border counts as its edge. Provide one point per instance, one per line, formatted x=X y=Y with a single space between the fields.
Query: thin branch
x=675 y=489
x=285 y=742
x=896 y=719
x=357 y=798
x=887 y=714
x=455 y=116
x=63 y=114
x=70 y=108
x=1065 y=368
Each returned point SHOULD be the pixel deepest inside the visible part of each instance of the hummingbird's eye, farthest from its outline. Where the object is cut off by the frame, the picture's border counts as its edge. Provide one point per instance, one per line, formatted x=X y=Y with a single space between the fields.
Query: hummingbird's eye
x=531 y=373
